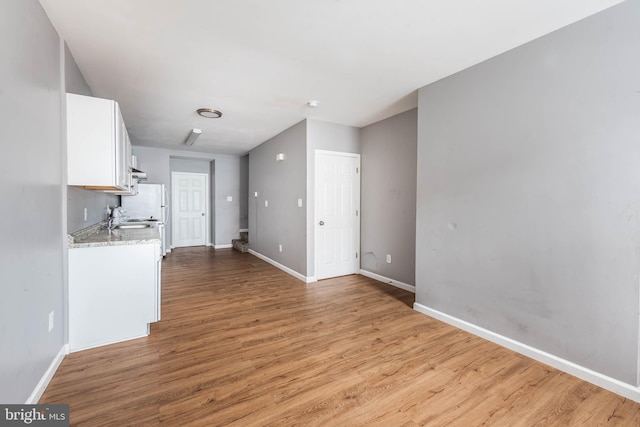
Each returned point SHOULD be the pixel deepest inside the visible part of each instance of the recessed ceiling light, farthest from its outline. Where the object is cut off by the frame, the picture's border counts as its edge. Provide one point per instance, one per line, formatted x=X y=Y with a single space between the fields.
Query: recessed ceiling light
x=209 y=113
x=312 y=104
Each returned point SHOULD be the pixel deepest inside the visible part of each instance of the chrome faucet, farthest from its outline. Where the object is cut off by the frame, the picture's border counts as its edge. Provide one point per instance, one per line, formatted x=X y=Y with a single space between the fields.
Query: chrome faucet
x=110 y=224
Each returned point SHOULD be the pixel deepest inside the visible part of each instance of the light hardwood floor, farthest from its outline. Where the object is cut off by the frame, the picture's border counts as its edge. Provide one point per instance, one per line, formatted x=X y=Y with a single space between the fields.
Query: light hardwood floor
x=244 y=344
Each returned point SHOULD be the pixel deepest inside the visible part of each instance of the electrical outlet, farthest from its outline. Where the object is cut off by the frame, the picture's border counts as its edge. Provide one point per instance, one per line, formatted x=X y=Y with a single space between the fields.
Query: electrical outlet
x=51 y=318
x=255 y=194
x=299 y=203
x=229 y=198
x=280 y=247
x=85 y=214
x=266 y=203
x=388 y=259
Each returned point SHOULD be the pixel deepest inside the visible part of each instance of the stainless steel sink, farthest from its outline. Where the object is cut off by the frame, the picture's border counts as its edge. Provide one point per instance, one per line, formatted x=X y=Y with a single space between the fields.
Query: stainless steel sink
x=131 y=226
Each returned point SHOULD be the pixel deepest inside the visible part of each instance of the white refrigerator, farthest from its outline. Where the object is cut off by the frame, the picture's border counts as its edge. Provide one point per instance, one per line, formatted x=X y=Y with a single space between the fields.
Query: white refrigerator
x=150 y=204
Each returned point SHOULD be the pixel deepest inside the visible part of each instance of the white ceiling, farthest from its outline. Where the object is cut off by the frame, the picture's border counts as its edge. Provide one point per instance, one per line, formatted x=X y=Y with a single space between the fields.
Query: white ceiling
x=260 y=61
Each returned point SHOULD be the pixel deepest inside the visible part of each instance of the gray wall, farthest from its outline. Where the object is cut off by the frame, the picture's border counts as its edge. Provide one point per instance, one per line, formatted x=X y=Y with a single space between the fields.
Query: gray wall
x=528 y=196
x=189 y=165
x=79 y=198
x=157 y=163
x=388 y=197
x=227 y=213
x=281 y=183
x=73 y=78
x=31 y=181
x=95 y=202
x=212 y=195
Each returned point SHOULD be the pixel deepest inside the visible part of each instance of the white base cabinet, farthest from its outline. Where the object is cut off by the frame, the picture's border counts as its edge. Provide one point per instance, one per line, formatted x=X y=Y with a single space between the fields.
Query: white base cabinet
x=114 y=293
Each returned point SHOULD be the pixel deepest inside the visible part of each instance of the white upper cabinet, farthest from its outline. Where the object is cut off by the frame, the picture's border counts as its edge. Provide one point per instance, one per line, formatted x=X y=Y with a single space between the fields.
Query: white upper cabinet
x=98 y=147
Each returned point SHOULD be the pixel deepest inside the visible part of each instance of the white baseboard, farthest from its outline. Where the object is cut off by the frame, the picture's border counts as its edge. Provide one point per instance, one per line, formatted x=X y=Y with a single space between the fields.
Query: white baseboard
x=283 y=267
x=222 y=246
x=586 y=374
x=46 y=378
x=396 y=283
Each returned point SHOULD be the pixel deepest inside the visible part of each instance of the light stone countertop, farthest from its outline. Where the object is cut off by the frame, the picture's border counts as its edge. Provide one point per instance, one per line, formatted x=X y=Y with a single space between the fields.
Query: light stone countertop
x=98 y=235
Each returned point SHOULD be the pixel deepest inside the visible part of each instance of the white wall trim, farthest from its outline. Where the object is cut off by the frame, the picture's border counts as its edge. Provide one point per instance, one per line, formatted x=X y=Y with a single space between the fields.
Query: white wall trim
x=47 y=376
x=222 y=246
x=586 y=374
x=396 y=283
x=282 y=267
x=244 y=230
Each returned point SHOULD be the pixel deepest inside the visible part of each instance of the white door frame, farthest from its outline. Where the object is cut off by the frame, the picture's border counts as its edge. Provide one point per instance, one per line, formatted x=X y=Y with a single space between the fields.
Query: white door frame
x=316 y=191
x=207 y=203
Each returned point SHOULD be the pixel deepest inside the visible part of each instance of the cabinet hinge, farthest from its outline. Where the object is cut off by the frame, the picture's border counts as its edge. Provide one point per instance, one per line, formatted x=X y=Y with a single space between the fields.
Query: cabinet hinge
x=356 y=255
x=356 y=212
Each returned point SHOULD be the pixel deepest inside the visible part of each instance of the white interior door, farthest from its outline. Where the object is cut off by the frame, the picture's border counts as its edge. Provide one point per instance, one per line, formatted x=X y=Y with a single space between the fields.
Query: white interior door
x=189 y=224
x=337 y=213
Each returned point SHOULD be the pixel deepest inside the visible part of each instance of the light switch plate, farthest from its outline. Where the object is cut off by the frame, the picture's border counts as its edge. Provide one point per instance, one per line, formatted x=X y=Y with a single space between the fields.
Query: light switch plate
x=229 y=198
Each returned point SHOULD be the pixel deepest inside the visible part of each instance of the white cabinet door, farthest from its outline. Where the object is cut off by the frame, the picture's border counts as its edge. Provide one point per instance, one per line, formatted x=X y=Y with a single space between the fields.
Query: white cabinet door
x=129 y=182
x=158 y=283
x=113 y=293
x=123 y=152
x=96 y=144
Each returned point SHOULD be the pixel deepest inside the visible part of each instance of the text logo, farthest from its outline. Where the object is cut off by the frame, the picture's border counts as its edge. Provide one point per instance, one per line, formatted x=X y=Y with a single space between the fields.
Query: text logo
x=34 y=415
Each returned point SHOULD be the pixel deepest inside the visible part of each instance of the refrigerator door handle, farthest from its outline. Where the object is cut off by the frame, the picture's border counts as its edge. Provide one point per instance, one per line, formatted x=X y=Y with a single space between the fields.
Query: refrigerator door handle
x=165 y=196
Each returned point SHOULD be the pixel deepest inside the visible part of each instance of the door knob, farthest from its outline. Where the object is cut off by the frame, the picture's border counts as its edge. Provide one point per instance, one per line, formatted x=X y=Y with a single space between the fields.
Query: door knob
x=202 y=213
x=321 y=222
